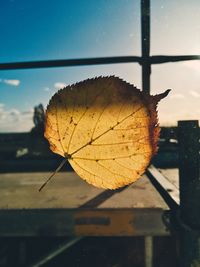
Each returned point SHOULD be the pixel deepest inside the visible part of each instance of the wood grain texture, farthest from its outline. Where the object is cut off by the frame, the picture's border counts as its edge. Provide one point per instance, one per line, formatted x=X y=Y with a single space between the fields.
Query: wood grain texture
x=61 y=208
x=67 y=190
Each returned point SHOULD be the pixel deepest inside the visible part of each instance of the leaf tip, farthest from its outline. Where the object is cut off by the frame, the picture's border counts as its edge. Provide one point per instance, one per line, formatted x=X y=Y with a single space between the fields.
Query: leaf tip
x=166 y=92
x=158 y=97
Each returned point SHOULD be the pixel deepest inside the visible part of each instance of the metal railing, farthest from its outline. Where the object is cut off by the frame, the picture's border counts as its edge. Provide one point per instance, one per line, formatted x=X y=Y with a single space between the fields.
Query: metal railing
x=145 y=60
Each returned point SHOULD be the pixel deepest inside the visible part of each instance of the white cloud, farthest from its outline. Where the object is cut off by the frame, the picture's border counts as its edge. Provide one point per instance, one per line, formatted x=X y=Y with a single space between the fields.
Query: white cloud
x=12 y=120
x=59 y=85
x=194 y=93
x=171 y=118
x=47 y=89
x=10 y=82
x=2 y=106
x=193 y=64
x=177 y=96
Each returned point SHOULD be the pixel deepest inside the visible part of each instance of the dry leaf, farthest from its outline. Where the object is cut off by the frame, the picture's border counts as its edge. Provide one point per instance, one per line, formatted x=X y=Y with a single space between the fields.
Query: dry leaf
x=106 y=128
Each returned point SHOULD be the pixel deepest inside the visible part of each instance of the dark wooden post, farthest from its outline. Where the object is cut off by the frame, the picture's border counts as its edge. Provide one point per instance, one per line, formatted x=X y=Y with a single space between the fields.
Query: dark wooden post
x=145 y=24
x=146 y=71
x=189 y=175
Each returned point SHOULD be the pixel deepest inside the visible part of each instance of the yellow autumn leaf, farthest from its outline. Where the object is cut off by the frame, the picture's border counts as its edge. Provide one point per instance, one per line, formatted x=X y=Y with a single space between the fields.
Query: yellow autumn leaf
x=106 y=128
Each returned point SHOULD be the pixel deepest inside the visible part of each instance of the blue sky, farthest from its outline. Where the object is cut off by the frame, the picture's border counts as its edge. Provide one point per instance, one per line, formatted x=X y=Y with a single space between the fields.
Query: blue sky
x=39 y=30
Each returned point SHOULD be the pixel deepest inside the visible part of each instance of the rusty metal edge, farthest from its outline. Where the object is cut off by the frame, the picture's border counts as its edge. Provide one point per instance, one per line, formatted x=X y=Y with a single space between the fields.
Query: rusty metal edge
x=82 y=222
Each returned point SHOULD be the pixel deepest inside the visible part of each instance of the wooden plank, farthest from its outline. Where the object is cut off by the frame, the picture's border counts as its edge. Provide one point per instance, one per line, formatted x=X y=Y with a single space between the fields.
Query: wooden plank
x=61 y=208
x=140 y=194
x=168 y=190
x=171 y=175
x=66 y=190
x=137 y=210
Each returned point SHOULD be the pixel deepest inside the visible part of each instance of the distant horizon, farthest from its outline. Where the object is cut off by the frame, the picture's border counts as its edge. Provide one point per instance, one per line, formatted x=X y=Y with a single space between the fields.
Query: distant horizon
x=31 y=124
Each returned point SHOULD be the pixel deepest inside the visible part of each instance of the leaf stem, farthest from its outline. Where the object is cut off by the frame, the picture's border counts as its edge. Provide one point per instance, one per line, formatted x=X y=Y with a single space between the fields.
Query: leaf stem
x=51 y=176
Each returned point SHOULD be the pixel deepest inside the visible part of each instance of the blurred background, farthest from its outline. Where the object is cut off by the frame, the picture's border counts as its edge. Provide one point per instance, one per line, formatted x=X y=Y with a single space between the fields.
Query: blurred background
x=37 y=30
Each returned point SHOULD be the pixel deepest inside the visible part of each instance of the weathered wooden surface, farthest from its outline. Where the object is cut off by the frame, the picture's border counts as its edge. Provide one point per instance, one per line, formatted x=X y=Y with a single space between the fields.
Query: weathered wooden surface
x=171 y=175
x=70 y=206
x=140 y=194
x=67 y=190
x=165 y=187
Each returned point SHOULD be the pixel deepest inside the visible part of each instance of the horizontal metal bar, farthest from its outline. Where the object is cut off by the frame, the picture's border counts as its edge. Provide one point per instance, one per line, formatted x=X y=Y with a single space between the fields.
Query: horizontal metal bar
x=94 y=61
x=69 y=62
x=120 y=222
x=82 y=222
x=167 y=190
x=168 y=59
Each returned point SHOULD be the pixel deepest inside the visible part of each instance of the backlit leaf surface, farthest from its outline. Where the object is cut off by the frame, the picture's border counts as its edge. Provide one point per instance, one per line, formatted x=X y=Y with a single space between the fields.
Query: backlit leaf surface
x=106 y=128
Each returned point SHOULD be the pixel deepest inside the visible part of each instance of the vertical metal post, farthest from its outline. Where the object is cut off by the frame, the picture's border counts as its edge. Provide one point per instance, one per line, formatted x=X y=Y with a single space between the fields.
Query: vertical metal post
x=146 y=71
x=148 y=246
x=189 y=175
x=146 y=65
